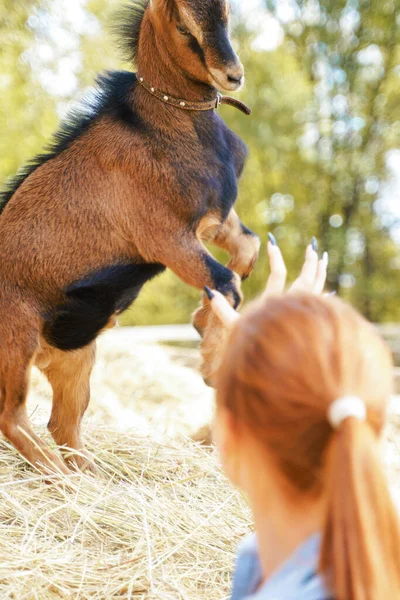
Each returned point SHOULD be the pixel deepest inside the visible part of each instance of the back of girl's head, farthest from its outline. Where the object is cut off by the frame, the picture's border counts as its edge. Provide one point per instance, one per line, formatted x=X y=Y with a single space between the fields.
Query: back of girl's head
x=287 y=360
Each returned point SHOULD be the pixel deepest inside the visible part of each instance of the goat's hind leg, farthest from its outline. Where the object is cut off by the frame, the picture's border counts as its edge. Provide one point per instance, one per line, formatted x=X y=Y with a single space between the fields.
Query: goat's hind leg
x=15 y=362
x=69 y=376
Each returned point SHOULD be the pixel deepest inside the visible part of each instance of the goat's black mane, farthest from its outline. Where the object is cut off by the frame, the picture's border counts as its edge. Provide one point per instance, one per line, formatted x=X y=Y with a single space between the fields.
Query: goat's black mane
x=126 y=28
x=111 y=97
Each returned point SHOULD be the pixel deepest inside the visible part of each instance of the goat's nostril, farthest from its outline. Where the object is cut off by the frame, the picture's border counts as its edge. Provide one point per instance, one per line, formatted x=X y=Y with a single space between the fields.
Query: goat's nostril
x=229 y=78
x=235 y=78
x=235 y=74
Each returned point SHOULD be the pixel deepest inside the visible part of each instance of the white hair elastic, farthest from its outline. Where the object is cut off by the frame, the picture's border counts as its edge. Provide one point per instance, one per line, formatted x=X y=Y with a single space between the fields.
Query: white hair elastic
x=346 y=407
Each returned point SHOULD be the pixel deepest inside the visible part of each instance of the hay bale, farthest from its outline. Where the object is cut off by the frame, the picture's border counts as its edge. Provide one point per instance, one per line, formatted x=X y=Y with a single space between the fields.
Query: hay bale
x=159 y=521
x=140 y=387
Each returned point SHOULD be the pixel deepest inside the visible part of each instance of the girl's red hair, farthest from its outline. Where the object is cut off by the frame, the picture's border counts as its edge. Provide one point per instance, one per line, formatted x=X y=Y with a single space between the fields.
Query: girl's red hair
x=288 y=358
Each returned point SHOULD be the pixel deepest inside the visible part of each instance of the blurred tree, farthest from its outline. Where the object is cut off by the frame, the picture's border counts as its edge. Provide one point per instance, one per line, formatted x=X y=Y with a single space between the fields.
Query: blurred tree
x=325 y=115
x=27 y=113
x=349 y=53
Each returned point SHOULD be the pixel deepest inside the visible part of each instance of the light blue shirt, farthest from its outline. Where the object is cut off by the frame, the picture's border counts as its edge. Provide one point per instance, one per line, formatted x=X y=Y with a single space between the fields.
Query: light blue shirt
x=297 y=579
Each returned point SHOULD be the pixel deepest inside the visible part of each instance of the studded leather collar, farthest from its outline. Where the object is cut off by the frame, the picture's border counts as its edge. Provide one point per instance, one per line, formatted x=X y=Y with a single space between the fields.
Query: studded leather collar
x=197 y=106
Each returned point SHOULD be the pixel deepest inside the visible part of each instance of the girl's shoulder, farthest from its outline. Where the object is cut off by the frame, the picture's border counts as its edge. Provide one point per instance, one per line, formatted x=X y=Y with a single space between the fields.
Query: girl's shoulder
x=248 y=569
x=297 y=579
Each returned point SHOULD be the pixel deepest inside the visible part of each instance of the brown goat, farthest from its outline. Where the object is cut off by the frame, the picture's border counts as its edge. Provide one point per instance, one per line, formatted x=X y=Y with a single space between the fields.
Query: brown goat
x=134 y=182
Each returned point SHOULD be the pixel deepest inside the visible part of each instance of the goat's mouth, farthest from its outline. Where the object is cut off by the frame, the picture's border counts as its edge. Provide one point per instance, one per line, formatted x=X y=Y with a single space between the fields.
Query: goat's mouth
x=227 y=81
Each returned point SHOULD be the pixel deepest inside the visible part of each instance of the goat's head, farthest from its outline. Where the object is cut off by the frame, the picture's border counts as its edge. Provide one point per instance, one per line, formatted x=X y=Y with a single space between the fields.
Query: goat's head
x=197 y=36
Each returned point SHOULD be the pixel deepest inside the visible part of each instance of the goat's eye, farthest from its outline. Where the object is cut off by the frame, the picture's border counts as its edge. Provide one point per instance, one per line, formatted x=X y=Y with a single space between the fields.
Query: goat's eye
x=183 y=30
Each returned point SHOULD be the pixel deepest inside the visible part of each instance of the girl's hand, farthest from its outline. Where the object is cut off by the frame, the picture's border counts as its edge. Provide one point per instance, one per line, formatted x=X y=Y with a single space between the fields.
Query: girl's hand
x=312 y=279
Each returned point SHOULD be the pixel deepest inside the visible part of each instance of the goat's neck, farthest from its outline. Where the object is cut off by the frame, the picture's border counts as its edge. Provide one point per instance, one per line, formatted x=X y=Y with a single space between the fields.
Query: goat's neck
x=156 y=66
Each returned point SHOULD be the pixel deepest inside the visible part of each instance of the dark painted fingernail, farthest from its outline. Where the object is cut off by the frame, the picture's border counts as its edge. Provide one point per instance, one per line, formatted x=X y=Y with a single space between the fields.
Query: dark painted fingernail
x=314 y=244
x=210 y=294
x=272 y=239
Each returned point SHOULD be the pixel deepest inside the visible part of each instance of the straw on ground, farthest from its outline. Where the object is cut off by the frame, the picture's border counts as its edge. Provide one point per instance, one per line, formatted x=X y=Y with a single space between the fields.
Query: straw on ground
x=159 y=521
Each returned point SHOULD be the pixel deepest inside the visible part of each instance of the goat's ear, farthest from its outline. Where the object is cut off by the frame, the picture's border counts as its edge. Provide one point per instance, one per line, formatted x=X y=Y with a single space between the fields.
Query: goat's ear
x=167 y=6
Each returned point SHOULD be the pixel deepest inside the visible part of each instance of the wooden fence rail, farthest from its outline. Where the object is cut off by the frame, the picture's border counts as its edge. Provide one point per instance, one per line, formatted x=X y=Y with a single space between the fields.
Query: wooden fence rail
x=185 y=334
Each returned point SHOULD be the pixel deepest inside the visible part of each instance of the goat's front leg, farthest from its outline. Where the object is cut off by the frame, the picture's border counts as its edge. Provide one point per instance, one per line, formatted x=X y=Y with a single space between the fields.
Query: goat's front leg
x=188 y=258
x=242 y=244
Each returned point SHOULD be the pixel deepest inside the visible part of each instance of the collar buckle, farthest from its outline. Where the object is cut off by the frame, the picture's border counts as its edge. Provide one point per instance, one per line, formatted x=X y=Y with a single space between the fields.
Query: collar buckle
x=218 y=101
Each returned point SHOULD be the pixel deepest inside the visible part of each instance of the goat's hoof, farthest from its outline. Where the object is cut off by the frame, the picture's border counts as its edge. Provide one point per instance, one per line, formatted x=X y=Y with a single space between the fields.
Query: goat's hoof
x=82 y=462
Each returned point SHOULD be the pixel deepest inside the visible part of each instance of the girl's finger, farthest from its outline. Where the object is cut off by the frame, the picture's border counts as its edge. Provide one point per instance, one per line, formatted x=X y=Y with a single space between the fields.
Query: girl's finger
x=306 y=281
x=222 y=308
x=277 y=278
x=320 y=279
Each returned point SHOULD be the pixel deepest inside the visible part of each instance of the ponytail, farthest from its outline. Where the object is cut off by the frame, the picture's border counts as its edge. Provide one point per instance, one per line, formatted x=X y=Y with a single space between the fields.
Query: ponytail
x=360 y=552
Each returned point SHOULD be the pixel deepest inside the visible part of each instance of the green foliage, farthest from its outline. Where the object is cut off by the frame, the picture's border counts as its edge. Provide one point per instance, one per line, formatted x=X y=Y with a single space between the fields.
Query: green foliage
x=27 y=113
x=325 y=115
